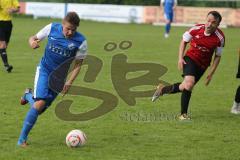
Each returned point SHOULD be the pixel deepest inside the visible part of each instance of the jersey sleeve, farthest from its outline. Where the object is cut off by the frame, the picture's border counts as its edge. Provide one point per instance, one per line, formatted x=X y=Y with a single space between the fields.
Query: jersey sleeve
x=16 y=4
x=187 y=36
x=219 y=51
x=219 y=48
x=82 y=51
x=44 y=32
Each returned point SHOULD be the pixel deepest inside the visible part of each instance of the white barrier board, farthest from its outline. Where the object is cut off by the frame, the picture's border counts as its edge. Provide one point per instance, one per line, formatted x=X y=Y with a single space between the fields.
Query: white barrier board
x=54 y=10
x=108 y=13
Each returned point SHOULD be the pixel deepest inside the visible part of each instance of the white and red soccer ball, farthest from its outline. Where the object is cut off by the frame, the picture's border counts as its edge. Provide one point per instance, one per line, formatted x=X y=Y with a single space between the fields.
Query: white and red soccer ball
x=76 y=138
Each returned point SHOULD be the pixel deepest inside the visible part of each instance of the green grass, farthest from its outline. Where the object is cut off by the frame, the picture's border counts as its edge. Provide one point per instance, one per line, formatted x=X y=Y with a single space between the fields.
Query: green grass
x=212 y=134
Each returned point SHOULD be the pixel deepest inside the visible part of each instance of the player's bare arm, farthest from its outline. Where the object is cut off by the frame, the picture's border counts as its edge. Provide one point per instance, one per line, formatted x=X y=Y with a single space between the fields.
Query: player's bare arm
x=73 y=75
x=212 y=69
x=182 y=48
x=162 y=7
x=175 y=4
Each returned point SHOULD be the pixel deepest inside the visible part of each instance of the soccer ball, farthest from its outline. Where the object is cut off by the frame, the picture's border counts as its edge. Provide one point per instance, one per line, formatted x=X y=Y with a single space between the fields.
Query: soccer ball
x=76 y=138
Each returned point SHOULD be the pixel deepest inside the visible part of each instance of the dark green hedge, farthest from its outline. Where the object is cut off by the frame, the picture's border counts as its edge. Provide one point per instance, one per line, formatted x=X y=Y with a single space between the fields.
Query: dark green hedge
x=199 y=3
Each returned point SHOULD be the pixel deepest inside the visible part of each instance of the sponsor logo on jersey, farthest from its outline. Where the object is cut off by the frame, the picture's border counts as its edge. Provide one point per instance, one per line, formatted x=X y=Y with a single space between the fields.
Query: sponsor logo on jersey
x=71 y=46
x=53 y=38
x=61 y=51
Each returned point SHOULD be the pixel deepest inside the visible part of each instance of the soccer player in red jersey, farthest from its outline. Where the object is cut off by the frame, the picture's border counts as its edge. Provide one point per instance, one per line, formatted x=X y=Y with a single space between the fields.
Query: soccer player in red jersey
x=205 y=41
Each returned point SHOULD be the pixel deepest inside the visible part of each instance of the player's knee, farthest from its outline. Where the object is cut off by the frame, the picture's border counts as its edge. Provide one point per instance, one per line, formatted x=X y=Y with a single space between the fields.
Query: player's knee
x=40 y=106
x=189 y=85
x=3 y=45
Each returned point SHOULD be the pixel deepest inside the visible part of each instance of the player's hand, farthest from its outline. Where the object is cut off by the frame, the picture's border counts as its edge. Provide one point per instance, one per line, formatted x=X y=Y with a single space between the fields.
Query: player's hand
x=208 y=79
x=11 y=10
x=35 y=44
x=66 y=87
x=181 y=62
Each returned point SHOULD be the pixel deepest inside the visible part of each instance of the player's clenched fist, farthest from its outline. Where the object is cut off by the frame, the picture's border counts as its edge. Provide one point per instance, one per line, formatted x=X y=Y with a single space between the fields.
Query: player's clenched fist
x=34 y=42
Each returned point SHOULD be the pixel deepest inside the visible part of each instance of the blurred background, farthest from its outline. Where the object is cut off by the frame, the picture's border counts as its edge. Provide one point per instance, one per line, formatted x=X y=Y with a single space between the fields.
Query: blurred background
x=202 y=3
x=187 y=12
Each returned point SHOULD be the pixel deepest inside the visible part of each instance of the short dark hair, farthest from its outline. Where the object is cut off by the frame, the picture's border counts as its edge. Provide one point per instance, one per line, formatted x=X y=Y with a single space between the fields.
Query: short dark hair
x=73 y=18
x=216 y=15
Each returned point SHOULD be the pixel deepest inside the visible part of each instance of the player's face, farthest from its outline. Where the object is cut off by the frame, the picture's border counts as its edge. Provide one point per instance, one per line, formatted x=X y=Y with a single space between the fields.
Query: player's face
x=211 y=24
x=68 y=29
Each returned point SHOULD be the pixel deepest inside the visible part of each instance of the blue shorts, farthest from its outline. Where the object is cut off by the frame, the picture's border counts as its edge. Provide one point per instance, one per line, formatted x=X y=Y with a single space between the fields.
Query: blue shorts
x=41 y=86
x=168 y=16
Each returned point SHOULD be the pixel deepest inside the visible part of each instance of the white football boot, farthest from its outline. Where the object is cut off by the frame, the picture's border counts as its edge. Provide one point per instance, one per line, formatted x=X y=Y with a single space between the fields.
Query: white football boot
x=235 y=108
x=157 y=93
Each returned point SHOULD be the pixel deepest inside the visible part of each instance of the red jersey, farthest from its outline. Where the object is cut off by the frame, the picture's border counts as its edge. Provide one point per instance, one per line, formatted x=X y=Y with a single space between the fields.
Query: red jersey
x=202 y=46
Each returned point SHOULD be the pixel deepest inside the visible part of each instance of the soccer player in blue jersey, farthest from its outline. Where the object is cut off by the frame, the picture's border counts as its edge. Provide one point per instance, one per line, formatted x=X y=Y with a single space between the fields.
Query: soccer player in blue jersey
x=168 y=6
x=64 y=43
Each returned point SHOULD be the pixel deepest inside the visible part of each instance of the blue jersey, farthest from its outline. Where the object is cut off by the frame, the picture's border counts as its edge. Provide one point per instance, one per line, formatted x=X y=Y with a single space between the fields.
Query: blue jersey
x=168 y=5
x=57 y=51
x=58 y=48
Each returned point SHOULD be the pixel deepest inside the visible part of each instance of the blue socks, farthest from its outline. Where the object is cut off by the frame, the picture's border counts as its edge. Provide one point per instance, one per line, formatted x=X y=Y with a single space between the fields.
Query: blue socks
x=29 y=98
x=29 y=122
x=167 y=28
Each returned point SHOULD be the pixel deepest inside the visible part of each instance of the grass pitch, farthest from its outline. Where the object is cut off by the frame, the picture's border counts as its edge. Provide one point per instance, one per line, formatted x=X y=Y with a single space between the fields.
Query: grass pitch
x=144 y=131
